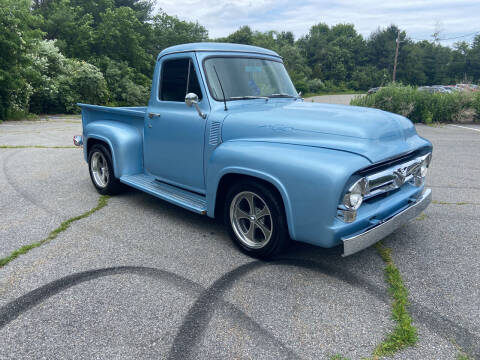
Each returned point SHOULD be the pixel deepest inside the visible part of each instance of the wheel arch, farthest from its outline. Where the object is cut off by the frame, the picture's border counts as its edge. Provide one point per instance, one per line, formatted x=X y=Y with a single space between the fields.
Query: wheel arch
x=91 y=141
x=232 y=175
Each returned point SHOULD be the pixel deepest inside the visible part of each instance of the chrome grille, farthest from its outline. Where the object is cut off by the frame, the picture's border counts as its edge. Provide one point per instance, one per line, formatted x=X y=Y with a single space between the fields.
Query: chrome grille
x=394 y=177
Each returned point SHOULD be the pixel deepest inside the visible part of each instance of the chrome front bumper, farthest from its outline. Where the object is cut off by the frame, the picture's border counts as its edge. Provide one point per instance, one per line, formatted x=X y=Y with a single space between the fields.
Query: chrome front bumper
x=361 y=241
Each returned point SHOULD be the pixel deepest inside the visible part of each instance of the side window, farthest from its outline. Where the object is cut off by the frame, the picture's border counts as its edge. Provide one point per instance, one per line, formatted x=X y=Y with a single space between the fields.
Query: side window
x=178 y=78
x=193 y=84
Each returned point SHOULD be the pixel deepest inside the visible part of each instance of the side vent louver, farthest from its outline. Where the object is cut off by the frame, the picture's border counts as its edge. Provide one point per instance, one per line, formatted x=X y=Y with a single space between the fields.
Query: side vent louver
x=214 y=138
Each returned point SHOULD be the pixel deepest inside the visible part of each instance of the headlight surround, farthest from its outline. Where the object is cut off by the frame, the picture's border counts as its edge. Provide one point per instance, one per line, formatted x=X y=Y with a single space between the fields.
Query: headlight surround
x=425 y=165
x=354 y=197
x=423 y=169
x=419 y=176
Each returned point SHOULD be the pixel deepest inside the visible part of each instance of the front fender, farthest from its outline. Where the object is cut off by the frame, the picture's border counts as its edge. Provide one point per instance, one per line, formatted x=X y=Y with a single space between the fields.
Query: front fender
x=310 y=180
x=125 y=142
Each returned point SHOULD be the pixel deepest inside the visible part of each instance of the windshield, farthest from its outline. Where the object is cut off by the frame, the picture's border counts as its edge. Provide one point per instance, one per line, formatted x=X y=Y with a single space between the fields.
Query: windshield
x=247 y=78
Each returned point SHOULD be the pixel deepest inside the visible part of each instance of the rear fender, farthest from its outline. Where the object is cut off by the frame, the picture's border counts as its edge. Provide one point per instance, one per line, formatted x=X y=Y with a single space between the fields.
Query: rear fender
x=125 y=142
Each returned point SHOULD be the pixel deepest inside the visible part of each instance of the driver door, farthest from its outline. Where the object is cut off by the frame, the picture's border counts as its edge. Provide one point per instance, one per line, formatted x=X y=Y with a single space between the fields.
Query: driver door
x=174 y=133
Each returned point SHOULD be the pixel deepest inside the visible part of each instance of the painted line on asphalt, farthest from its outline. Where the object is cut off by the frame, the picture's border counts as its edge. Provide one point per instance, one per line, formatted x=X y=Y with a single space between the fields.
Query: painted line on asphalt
x=465 y=127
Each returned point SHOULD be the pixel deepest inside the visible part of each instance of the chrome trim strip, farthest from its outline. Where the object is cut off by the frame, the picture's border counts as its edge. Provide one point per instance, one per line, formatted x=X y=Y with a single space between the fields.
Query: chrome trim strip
x=353 y=244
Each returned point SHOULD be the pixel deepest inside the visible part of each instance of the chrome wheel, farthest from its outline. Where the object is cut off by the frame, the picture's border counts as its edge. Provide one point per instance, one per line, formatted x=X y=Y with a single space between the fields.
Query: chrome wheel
x=99 y=166
x=251 y=219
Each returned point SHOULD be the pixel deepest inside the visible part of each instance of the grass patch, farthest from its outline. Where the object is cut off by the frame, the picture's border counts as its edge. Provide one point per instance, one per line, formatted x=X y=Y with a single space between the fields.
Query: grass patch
x=36 y=147
x=461 y=355
x=451 y=203
x=338 y=357
x=102 y=202
x=404 y=334
x=436 y=124
x=421 y=217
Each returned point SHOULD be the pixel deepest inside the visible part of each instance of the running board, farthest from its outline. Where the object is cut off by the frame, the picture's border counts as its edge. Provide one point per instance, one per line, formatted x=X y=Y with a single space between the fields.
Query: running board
x=184 y=198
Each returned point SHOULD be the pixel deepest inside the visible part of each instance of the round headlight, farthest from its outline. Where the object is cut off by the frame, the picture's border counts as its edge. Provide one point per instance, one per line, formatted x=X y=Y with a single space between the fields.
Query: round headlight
x=354 y=196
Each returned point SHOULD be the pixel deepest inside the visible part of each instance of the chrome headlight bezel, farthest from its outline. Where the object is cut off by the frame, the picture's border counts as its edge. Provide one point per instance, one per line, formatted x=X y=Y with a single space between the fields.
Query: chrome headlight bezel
x=420 y=175
x=353 y=198
x=425 y=165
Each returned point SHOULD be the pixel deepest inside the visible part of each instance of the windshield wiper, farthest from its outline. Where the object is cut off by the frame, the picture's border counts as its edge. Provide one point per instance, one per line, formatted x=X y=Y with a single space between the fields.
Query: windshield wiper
x=281 y=95
x=248 y=97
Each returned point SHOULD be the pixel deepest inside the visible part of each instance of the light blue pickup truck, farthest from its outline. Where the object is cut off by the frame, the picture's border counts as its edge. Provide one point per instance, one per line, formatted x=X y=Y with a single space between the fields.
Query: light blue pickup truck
x=226 y=134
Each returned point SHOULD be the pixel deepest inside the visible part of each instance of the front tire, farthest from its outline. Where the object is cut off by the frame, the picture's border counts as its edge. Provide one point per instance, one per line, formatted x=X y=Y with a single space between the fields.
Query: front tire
x=256 y=219
x=100 y=166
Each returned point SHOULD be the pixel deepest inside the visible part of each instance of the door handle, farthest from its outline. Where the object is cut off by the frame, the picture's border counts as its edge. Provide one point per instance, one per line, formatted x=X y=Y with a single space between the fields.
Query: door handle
x=152 y=115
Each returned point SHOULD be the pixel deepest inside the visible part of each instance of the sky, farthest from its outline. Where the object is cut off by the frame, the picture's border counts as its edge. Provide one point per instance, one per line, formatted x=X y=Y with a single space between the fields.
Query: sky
x=419 y=18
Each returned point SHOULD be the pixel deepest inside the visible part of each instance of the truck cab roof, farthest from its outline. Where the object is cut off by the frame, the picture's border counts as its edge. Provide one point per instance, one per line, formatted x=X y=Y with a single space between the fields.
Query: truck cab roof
x=216 y=47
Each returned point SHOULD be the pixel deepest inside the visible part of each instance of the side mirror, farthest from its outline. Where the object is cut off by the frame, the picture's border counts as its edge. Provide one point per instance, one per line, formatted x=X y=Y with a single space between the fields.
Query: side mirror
x=191 y=99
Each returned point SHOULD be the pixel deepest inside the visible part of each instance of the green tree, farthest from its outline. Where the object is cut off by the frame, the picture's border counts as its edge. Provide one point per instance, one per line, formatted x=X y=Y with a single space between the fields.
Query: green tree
x=381 y=48
x=411 y=68
x=169 y=30
x=18 y=34
x=70 y=26
x=120 y=35
x=333 y=53
x=474 y=56
x=244 y=35
x=143 y=8
x=127 y=86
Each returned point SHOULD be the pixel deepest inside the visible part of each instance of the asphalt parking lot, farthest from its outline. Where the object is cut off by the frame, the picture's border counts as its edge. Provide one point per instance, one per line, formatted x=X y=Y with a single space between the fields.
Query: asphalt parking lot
x=143 y=279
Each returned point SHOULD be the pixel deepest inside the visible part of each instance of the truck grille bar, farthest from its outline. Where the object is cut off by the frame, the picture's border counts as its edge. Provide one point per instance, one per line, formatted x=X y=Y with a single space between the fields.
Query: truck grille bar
x=394 y=177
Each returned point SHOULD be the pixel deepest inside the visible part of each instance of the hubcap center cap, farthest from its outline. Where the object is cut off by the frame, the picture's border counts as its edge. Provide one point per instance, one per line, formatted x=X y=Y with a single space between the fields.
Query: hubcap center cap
x=252 y=218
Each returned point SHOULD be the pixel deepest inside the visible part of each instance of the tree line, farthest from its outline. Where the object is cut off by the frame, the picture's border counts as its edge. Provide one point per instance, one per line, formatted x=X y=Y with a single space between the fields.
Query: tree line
x=55 y=53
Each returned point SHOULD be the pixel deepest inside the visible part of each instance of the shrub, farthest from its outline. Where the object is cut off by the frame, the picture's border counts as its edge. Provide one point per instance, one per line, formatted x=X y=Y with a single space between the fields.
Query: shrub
x=315 y=85
x=82 y=82
x=421 y=106
x=476 y=105
x=58 y=83
x=46 y=64
x=127 y=86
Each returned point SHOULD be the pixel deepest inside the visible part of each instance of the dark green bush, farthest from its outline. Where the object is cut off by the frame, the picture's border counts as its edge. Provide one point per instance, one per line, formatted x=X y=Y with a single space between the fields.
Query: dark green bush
x=421 y=106
x=476 y=106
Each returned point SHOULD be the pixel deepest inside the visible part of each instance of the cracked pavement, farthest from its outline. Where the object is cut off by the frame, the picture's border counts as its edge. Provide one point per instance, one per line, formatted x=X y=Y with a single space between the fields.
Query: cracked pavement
x=142 y=279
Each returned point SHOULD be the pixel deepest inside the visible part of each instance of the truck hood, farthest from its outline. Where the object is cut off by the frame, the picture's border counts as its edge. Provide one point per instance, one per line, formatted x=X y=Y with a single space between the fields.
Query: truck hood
x=371 y=133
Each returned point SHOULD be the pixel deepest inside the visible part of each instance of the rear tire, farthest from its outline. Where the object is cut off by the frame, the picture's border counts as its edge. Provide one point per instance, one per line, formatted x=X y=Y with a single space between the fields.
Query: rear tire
x=100 y=166
x=256 y=219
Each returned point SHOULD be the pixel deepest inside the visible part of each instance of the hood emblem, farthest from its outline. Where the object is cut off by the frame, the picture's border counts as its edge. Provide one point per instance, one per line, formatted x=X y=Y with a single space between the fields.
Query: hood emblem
x=400 y=176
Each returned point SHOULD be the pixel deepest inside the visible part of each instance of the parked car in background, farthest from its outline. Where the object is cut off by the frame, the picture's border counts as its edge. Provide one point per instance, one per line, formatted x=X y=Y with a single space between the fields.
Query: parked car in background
x=453 y=88
x=435 y=89
x=225 y=134
x=373 y=90
x=426 y=89
x=468 y=87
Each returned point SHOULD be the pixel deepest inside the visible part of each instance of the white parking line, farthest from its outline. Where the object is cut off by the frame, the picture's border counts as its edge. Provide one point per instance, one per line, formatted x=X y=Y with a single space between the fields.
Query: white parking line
x=464 y=127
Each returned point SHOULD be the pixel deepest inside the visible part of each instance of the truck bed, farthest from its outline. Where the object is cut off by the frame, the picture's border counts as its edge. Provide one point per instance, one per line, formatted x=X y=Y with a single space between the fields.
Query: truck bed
x=104 y=111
